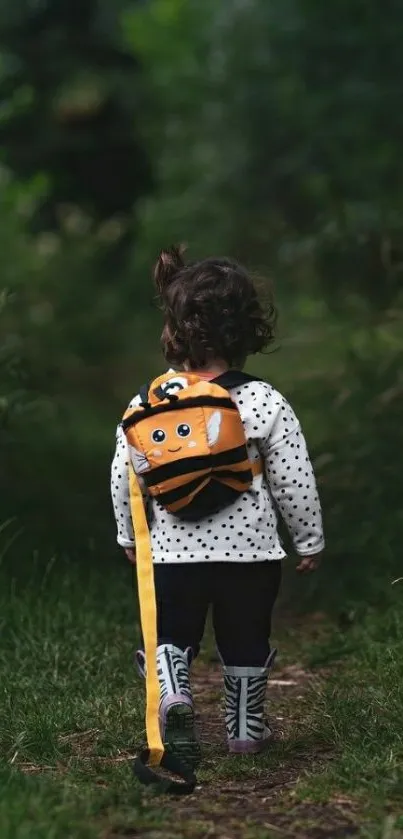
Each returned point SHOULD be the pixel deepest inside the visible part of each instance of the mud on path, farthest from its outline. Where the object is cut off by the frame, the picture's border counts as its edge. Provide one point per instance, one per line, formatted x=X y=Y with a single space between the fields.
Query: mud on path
x=256 y=797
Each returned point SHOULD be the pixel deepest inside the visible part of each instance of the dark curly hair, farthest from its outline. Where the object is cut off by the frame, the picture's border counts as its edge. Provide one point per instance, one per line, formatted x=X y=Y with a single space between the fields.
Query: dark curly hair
x=211 y=310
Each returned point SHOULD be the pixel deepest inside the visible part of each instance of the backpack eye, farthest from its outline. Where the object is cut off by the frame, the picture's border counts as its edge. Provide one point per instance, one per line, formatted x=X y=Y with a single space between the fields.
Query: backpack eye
x=183 y=430
x=158 y=436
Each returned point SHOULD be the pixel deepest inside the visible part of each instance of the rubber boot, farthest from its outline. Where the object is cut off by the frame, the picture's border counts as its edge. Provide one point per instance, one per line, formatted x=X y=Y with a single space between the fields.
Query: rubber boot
x=176 y=713
x=245 y=690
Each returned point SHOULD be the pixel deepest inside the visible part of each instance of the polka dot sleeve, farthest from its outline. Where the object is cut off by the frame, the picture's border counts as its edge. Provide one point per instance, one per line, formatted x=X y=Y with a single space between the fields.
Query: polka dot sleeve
x=120 y=491
x=292 y=481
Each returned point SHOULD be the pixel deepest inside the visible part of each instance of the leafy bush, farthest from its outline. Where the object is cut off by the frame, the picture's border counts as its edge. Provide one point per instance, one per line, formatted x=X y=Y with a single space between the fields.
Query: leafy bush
x=58 y=404
x=359 y=416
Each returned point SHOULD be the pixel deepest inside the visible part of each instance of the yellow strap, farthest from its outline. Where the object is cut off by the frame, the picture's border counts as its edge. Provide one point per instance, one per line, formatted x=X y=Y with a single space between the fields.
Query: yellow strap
x=148 y=614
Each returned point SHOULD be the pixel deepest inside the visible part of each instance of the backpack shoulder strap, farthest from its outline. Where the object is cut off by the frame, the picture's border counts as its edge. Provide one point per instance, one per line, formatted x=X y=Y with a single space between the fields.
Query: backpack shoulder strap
x=143 y=393
x=234 y=378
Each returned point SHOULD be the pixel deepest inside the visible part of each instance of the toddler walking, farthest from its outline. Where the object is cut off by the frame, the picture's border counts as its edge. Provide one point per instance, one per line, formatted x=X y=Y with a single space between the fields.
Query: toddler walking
x=221 y=456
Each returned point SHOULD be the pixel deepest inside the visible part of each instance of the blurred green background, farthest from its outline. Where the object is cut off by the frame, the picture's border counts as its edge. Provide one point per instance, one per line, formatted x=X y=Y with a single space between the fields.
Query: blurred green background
x=271 y=132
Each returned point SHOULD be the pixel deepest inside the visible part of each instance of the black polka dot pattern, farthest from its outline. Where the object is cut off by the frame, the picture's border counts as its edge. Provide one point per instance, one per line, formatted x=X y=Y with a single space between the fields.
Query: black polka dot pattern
x=120 y=491
x=247 y=531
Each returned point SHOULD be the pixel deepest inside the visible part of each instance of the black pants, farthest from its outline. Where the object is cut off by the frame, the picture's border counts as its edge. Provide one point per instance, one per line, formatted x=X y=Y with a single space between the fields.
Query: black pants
x=242 y=596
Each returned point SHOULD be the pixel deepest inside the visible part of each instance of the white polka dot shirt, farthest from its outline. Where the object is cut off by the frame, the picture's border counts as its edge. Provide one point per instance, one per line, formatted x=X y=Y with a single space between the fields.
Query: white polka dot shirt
x=247 y=530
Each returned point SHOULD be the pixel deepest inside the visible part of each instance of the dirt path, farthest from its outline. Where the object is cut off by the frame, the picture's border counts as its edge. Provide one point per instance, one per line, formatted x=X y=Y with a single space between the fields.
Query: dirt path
x=257 y=798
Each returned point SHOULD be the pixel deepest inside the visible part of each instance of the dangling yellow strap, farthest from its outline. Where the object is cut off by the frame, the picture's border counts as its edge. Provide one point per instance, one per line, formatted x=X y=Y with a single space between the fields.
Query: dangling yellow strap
x=148 y=615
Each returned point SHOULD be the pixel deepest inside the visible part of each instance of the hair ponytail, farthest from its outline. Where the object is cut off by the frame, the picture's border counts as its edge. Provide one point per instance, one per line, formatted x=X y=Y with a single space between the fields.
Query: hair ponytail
x=170 y=261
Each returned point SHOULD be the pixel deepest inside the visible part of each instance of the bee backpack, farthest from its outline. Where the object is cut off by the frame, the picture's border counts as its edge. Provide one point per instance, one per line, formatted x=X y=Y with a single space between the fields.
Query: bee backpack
x=187 y=445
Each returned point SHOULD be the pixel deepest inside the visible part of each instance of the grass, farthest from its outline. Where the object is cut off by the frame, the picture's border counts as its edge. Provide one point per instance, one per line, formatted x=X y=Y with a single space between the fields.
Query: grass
x=70 y=706
x=71 y=716
x=360 y=710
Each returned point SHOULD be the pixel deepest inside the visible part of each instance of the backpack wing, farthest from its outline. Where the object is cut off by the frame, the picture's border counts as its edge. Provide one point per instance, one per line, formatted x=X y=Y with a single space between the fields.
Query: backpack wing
x=139 y=461
x=213 y=428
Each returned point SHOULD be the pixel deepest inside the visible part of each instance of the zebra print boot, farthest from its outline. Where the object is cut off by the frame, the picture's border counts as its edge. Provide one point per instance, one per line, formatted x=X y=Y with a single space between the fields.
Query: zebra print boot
x=245 y=690
x=176 y=712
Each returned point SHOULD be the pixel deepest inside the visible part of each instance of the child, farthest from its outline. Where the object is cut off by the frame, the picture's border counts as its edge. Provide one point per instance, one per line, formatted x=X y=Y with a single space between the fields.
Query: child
x=230 y=559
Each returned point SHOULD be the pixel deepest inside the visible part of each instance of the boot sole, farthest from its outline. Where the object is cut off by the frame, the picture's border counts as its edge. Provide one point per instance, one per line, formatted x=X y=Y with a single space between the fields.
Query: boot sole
x=250 y=747
x=180 y=737
x=242 y=748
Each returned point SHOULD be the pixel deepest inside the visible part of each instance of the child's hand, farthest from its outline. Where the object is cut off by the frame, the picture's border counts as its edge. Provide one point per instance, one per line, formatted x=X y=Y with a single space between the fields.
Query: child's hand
x=309 y=563
x=131 y=555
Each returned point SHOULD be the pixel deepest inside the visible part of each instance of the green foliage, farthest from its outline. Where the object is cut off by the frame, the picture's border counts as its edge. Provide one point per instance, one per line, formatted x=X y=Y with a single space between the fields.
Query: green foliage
x=179 y=48
x=278 y=153
x=58 y=406
x=360 y=477
x=68 y=84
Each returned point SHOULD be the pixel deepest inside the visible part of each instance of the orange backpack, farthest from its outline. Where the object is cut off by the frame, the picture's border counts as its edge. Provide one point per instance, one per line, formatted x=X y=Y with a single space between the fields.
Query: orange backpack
x=188 y=444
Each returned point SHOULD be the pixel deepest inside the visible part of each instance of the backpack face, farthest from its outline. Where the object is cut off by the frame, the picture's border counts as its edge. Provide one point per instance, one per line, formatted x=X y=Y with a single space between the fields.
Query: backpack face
x=186 y=432
x=188 y=444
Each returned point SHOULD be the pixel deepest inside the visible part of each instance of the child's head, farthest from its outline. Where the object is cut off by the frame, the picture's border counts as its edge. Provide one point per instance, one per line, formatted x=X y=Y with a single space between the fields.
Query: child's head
x=211 y=310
